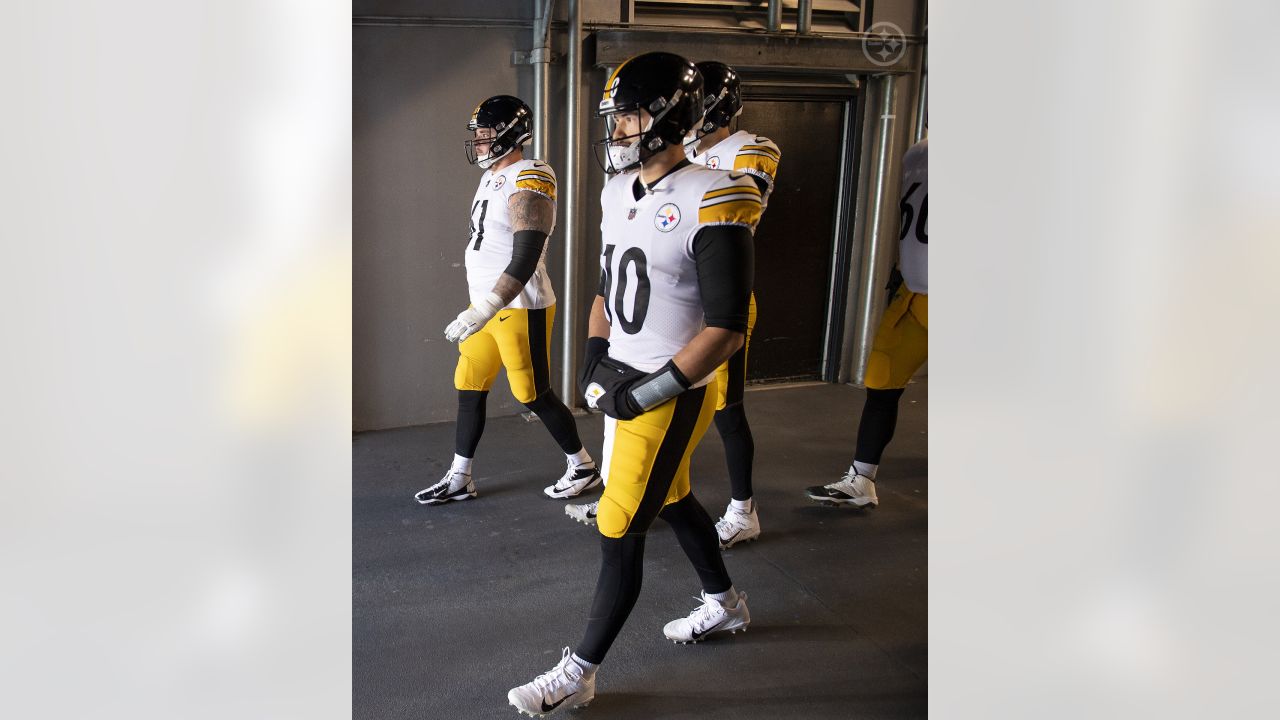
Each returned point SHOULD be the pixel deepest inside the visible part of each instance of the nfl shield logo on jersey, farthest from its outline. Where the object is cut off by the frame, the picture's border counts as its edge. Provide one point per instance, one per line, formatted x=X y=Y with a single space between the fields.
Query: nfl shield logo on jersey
x=668 y=218
x=631 y=214
x=713 y=162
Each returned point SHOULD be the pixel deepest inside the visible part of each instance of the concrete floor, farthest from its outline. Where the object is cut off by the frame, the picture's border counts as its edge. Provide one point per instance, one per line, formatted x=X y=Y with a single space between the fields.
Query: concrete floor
x=455 y=604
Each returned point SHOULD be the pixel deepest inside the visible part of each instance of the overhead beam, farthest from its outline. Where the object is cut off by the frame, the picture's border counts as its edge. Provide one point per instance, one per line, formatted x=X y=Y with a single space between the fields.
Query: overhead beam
x=758 y=51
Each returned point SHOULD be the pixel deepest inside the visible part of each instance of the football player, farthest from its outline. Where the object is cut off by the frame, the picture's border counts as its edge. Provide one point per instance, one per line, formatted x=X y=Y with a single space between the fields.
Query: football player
x=508 y=322
x=675 y=286
x=901 y=345
x=713 y=145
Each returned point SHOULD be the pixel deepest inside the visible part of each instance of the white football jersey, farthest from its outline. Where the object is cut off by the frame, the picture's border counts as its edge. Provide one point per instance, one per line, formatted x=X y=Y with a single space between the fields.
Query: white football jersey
x=650 y=276
x=492 y=240
x=745 y=152
x=913 y=245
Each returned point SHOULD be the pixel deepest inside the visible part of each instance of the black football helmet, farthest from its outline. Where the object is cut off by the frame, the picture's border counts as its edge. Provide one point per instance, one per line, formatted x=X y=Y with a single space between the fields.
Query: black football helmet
x=721 y=96
x=667 y=87
x=512 y=124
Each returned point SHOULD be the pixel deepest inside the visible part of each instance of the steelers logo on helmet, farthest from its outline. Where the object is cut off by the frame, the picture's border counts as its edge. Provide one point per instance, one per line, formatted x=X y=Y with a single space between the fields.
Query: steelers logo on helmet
x=511 y=123
x=668 y=218
x=664 y=91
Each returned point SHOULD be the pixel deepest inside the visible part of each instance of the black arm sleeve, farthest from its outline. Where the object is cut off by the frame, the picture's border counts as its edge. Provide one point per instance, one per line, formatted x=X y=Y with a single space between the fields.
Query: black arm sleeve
x=525 y=254
x=725 y=258
x=760 y=182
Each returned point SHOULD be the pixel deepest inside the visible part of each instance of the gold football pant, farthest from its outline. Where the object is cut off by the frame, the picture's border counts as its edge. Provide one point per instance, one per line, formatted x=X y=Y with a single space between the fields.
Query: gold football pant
x=516 y=339
x=646 y=461
x=902 y=342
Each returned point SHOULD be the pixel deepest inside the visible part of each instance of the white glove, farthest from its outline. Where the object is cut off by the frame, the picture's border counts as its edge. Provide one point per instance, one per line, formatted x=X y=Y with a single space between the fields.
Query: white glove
x=473 y=318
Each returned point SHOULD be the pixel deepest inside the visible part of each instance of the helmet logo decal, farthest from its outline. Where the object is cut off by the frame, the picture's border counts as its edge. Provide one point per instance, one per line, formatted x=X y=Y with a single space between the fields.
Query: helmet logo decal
x=668 y=218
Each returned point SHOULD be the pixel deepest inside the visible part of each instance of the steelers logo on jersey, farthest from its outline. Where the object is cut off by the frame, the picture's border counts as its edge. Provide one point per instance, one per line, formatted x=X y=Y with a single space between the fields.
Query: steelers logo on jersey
x=668 y=218
x=713 y=163
x=502 y=180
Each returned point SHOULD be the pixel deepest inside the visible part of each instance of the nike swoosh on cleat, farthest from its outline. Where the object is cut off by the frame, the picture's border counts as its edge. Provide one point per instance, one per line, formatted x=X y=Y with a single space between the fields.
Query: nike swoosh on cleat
x=698 y=636
x=549 y=708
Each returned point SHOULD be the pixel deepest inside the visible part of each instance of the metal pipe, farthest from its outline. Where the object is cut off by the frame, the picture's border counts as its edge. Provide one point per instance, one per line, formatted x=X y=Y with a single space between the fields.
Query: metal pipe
x=804 y=21
x=862 y=203
x=922 y=104
x=878 y=240
x=775 y=15
x=540 y=57
x=842 y=211
x=570 y=192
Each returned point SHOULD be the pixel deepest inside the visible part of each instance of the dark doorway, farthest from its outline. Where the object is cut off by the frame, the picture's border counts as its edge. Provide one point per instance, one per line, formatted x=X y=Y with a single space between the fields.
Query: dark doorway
x=796 y=240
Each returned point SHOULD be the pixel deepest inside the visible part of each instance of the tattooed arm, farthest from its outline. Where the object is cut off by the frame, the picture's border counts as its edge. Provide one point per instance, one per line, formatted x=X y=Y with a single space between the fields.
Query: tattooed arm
x=532 y=218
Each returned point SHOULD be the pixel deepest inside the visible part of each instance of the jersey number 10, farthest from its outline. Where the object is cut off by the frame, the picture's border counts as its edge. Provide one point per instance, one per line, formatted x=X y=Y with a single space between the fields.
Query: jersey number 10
x=633 y=256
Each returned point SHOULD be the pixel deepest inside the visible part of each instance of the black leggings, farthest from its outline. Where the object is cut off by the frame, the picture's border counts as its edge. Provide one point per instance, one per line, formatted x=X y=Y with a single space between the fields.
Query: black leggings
x=622 y=570
x=558 y=419
x=739 y=449
x=875 y=430
x=470 y=427
x=548 y=408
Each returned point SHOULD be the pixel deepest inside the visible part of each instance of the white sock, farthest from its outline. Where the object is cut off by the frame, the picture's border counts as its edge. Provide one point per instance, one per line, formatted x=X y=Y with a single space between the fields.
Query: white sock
x=580 y=458
x=866 y=469
x=588 y=669
x=741 y=505
x=727 y=599
x=461 y=465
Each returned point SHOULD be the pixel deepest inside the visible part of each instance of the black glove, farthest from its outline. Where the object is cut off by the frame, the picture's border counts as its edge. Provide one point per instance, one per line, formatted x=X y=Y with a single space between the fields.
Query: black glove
x=623 y=392
x=609 y=388
x=597 y=348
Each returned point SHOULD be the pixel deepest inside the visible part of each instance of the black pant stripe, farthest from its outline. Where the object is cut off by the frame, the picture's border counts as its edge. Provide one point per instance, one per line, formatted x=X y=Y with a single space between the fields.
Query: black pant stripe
x=538 y=350
x=670 y=452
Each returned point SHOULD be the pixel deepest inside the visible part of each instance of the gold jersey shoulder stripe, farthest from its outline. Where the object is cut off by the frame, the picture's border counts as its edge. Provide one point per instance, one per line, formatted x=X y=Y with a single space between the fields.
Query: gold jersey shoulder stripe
x=537 y=185
x=535 y=173
x=718 y=192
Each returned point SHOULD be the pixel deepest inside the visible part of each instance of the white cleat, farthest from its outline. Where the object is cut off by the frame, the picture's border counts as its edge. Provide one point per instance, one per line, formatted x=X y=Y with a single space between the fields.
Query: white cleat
x=709 y=617
x=562 y=687
x=585 y=514
x=850 y=489
x=453 y=486
x=737 y=526
x=576 y=480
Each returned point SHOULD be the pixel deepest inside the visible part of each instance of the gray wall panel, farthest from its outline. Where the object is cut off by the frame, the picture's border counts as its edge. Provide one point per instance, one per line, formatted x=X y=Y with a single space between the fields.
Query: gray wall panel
x=413 y=89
